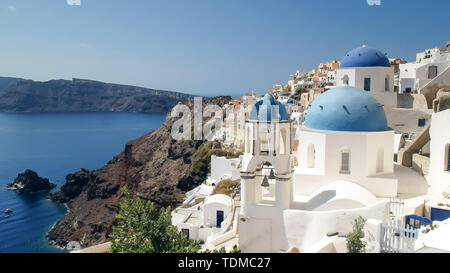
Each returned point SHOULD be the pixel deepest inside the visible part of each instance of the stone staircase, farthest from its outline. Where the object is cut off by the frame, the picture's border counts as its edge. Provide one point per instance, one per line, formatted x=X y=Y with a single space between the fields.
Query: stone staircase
x=405 y=154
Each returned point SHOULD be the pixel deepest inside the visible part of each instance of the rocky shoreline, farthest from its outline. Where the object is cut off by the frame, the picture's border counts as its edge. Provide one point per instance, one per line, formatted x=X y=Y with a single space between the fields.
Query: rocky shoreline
x=153 y=167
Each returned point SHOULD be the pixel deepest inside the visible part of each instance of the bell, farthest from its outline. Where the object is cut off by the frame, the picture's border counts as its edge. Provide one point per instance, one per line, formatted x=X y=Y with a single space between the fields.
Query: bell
x=272 y=175
x=265 y=182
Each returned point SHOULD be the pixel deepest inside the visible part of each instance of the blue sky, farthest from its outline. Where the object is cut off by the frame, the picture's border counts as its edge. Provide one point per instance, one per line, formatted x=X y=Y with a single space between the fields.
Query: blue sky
x=205 y=47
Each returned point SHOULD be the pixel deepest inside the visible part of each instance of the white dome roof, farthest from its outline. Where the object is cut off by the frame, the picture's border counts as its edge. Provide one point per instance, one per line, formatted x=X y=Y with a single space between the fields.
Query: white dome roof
x=219 y=198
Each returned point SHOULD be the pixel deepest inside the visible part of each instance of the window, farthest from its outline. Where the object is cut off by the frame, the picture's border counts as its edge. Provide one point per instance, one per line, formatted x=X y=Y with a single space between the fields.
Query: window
x=345 y=80
x=311 y=156
x=283 y=141
x=219 y=218
x=249 y=140
x=264 y=135
x=448 y=157
x=185 y=231
x=367 y=84
x=380 y=160
x=386 y=84
x=422 y=122
x=432 y=72
x=408 y=90
x=345 y=162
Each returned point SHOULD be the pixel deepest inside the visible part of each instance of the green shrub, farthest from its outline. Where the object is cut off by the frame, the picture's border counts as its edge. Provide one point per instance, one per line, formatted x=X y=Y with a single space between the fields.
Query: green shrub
x=222 y=250
x=355 y=244
x=144 y=229
x=298 y=93
x=227 y=187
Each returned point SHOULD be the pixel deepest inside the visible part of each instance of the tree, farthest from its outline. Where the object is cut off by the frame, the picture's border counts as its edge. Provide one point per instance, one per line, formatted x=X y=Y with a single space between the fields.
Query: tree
x=355 y=244
x=144 y=229
x=298 y=93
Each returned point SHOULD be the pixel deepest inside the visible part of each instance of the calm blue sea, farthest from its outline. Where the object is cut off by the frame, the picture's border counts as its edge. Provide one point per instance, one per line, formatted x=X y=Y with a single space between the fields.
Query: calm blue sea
x=55 y=144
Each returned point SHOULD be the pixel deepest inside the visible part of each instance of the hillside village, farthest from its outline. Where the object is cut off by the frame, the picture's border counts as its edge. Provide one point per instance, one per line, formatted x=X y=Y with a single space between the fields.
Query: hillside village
x=365 y=136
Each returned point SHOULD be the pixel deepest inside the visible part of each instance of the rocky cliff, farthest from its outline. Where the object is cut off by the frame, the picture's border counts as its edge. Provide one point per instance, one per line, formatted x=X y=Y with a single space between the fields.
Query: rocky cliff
x=5 y=82
x=154 y=167
x=83 y=95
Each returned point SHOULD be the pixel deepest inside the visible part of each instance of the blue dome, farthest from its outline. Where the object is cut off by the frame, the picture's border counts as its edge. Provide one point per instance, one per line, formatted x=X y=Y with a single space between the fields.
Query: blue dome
x=268 y=108
x=346 y=109
x=365 y=57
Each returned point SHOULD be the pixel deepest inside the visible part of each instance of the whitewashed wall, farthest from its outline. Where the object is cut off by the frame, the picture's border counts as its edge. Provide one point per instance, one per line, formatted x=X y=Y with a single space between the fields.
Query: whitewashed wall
x=304 y=228
x=222 y=168
x=363 y=160
x=377 y=77
x=439 y=177
x=214 y=203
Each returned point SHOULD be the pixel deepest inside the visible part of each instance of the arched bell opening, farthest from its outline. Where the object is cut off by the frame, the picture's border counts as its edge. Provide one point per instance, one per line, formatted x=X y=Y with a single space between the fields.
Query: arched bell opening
x=266 y=183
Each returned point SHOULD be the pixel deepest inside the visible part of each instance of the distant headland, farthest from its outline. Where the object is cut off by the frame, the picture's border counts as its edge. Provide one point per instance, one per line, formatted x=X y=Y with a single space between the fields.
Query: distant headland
x=78 y=95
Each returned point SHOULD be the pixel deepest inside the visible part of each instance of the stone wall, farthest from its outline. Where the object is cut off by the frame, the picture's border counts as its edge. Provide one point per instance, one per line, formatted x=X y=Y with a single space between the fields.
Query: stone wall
x=412 y=101
x=405 y=100
x=421 y=164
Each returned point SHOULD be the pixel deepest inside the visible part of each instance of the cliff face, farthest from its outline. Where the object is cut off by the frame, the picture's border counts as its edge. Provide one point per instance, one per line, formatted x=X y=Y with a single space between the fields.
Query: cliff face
x=84 y=95
x=5 y=82
x=154 y=167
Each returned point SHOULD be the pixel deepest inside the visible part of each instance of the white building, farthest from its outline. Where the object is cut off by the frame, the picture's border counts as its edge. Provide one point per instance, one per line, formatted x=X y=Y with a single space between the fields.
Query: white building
x=435 y=241
x=439 y=173
x=331 y=77
x=206 y=220
x=369 y=69
x=345 y=169
x=216 y=209
x=224 y=168
x=415 y=76
x=429 y=65
x=433 y=54
x=346 y=137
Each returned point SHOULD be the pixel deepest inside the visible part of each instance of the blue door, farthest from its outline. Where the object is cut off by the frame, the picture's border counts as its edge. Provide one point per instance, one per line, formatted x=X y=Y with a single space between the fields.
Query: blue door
x=219 y=218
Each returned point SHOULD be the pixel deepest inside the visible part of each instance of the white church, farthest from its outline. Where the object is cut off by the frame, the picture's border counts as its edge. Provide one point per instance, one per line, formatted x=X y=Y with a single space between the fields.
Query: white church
x=369 y=69
x=344 y=167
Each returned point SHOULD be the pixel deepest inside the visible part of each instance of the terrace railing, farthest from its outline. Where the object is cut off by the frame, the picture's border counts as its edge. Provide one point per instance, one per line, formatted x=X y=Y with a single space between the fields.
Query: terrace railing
x=396 y=238
x=396 y=207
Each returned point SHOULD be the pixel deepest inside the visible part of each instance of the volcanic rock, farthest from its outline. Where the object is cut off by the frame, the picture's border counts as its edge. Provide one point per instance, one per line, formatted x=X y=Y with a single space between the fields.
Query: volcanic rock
x=30 y=182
